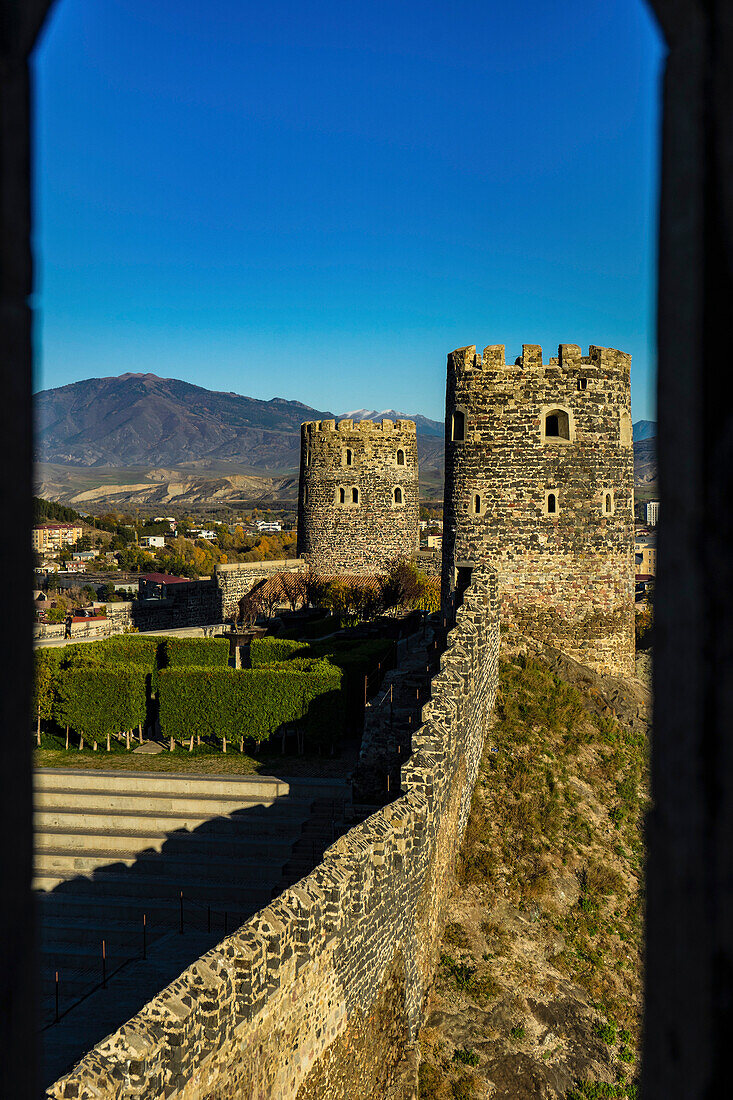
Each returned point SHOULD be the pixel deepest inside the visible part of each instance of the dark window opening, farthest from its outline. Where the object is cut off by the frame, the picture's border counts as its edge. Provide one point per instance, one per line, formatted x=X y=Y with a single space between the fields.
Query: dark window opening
x=305 y=494
x=398 y=496
x=557 y=425
x=608 y=502
x=477 y=504
x=342 y=496
x=551 y=504
x=582 y=383
x=355 y=496
x=458 y=432
x=400 y=458
x=348 y=458
x=463 y=580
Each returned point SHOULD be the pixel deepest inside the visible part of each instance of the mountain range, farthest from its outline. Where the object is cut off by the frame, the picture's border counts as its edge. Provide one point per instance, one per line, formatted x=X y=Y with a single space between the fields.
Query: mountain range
x=138 y=438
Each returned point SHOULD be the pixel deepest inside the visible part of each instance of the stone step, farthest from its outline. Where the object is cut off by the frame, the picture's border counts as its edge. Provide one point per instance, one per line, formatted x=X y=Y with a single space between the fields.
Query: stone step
x=227 y=786
x=50 y=861
x=230 y=855
x=149 y=802
x=126 y=887
x=68 y=817
x=261 y=838
x=199 y=803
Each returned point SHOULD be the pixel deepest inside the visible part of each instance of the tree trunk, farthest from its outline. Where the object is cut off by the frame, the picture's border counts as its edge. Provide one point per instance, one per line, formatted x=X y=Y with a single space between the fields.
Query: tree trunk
x=140 y=729
x=198 y=739
x=172 y=744
x=241 y=744
x=38 y=731
x=67 y=737
x=95 y=746
x=127 y=740
x=109 y=746
x=81 y=741
x=224 y=744
x=190 y=744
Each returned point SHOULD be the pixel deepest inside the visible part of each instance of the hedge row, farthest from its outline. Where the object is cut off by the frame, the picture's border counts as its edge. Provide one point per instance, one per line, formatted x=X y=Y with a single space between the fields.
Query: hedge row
x=253 y=703
x=194 y=652
x=270 y=651
x=97 y=700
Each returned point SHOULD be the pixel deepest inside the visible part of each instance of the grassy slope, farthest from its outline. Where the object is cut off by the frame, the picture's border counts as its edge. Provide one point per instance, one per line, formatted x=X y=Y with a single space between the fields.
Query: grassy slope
x=538 y=992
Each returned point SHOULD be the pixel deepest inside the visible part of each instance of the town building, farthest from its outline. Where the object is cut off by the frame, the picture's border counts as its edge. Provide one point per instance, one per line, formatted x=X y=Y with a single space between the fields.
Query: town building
x=52 y=536
x=150 y=542
x=652 y=513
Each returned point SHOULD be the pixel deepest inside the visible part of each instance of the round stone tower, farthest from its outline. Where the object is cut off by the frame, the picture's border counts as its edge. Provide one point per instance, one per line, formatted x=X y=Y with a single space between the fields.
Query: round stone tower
x=539 y=482
x=359 y=501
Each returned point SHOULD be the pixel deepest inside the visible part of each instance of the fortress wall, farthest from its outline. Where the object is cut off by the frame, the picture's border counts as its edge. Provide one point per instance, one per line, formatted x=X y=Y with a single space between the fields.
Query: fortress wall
x=318 y=994
x=239 y=578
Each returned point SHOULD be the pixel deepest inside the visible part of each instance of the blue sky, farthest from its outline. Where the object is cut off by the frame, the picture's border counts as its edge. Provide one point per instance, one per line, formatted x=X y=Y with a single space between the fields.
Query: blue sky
x=319 y=200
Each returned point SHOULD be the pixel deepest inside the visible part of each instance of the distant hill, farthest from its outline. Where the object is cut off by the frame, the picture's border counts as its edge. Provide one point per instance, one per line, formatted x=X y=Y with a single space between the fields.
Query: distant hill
x=645 y=429
x=143 y=420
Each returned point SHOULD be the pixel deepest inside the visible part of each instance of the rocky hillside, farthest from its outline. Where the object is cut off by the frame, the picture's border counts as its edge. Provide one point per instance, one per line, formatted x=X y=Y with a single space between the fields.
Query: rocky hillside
x=538 y=992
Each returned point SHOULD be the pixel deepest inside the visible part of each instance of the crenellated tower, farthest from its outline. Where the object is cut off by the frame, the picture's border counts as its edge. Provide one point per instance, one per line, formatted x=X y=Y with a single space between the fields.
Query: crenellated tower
x=539 y=483
x=358 y=501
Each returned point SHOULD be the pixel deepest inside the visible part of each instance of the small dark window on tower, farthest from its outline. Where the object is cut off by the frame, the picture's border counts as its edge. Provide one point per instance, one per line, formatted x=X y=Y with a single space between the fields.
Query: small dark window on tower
x=608 y=502
x=398 y=495
x=551 y=504
x=355 y=496
x=458 y=427
x=477 y=505
x=557 y=425
x=342 y=496
x=305 y=494
x=400 y=458
x=348 y=458
x=582 y=383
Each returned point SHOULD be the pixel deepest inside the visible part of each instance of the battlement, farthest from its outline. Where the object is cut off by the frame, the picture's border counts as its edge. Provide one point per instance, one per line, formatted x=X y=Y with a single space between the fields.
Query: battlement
x=464 y=361
x=312 y=427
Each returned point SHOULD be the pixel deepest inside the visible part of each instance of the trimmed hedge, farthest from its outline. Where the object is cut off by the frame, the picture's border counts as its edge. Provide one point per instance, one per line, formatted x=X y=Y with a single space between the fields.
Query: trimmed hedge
x=194 y=652
x=126 y=649
x=96 y=700
x=47 y=670
x=270 y=651
x=253 y=703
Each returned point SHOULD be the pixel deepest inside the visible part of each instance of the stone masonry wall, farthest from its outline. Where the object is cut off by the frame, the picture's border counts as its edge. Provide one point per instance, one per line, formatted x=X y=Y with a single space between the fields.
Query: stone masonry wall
x=239 y=578
x=378 y=461
x=291 y=1003
x=566 y=575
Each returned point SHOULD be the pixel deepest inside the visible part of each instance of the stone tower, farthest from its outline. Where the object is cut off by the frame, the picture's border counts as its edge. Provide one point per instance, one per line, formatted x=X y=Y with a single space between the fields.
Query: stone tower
x=539 y=476
x=359 y=500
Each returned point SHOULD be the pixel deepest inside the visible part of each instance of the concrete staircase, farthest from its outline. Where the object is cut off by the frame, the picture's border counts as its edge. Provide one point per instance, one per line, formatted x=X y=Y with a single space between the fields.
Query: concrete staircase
x=116 y=850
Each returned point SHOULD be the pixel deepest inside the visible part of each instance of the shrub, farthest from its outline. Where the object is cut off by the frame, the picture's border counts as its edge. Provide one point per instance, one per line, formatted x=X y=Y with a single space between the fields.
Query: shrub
x=465 y=1055
x=47 y=669
x=430 y=1080
x=269 y=651
x=194 y=652
x=97 y=700
x=253 y=703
